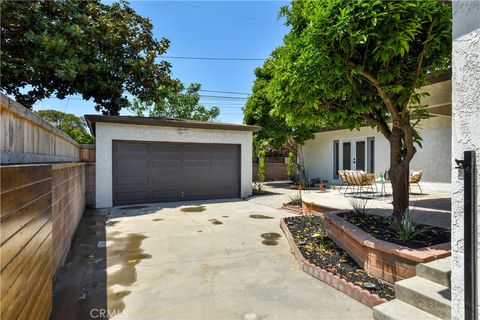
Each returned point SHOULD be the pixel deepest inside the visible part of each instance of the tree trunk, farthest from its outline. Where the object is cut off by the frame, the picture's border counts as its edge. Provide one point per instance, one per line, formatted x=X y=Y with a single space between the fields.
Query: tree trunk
x=300 y=165
x=399 y=174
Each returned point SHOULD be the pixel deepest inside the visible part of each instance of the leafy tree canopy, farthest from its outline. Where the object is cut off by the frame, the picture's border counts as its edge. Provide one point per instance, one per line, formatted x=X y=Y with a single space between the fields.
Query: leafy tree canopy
x=351 y=62
x=176 y=102
x=59 y=48
x=258 y=110
x=74 y=126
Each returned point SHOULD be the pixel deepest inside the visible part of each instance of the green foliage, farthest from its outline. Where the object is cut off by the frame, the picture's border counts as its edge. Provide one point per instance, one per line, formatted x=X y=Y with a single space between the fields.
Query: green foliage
x=406 y=226
x=334 y=46
x=296 y=197
x=291 y=165
x=98 y=50
x=261 y=166
x=176 y=102
x=74 y=126
x=347 y=63
x=359 y=204
x=259 y=108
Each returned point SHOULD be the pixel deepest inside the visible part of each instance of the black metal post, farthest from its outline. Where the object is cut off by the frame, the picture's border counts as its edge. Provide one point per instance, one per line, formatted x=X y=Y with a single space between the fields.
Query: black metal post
x=470 y=236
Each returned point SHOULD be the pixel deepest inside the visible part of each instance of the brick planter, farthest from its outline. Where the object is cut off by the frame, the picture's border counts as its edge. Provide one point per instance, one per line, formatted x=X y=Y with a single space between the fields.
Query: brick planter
x=350 y=289
x=286 y=206
x=309 y=208
x=381 y=259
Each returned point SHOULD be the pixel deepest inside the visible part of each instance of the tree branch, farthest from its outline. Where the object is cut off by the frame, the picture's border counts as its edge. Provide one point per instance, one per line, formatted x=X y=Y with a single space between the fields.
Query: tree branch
x=380 y=124
x=385 y=97
x=419 y=65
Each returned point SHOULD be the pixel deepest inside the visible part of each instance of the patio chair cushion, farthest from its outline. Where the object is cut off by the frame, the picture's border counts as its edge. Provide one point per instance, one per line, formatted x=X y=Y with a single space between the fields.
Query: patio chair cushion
x=341 y=175
x=416 y=176
x=355 y=178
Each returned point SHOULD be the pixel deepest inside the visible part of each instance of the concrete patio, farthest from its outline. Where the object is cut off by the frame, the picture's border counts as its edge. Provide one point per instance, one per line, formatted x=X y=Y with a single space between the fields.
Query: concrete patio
x=433 y=207
x=196 y=260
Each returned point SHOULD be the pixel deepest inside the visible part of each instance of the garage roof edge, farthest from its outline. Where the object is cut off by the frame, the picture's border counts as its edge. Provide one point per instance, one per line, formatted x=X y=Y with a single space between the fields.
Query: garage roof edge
x=92 y=119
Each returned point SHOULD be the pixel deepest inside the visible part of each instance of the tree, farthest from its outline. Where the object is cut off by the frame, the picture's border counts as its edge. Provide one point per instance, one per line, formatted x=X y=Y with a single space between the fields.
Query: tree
x=176 y=102
x=276 y=132
x=74 y=126
x=100 y=51
x=351 y=63
x=258 y=110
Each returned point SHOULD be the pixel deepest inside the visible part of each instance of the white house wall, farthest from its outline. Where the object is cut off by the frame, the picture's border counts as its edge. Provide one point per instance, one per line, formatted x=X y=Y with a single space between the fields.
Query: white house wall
x=433 y=158
x=466 y=135
x=106 y=132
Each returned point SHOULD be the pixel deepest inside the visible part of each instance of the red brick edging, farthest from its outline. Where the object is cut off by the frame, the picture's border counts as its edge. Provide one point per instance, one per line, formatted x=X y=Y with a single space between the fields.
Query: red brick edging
x=350 y=289
x=286 y=207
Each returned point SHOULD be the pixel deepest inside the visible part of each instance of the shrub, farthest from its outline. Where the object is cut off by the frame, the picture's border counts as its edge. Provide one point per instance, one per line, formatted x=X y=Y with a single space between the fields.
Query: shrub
x=296 y=198
x=406 y=226
x=359 y=204
x=291 y=167
x=261 y=166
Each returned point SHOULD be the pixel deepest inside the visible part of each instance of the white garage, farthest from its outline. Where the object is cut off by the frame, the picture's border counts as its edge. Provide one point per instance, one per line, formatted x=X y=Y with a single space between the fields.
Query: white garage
x=146 y=160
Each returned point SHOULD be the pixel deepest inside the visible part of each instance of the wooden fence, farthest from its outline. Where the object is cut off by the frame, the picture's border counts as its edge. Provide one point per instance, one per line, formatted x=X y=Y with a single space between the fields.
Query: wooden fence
x=42 y=199
x=26 y=138
x=87 y=155
x=68 y=204
x=275 y=169
x=26 y=241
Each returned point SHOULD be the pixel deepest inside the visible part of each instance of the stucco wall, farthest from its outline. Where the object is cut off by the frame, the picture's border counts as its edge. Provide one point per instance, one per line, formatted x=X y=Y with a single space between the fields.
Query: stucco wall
x=433 y=158
x=465 y=130
x=106 y=132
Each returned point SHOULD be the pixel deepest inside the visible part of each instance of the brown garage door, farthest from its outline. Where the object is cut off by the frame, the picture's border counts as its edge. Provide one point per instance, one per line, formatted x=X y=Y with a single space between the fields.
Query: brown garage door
x=146 y=172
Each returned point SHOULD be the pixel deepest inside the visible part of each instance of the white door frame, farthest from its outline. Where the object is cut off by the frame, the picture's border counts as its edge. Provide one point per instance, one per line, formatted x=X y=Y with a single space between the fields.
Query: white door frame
x=353 y=151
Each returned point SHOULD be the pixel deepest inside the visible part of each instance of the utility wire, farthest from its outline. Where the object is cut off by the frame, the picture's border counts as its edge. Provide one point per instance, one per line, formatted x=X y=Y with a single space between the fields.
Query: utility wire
x=230 y=92
x=213 y=58
x=223 y=97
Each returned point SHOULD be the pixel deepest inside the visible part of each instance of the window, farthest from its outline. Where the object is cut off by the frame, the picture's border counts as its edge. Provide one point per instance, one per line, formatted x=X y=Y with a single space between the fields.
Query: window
x=336 y=161
x=371 y=154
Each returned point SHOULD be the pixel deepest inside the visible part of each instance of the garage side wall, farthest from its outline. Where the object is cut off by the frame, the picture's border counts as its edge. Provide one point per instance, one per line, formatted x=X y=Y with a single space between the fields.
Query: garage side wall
x=107 y=132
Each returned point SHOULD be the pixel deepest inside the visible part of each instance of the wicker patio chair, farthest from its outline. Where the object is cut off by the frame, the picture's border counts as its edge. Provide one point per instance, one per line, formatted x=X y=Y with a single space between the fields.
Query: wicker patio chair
x=360 y=180
x=415 y=178
x=341 y=175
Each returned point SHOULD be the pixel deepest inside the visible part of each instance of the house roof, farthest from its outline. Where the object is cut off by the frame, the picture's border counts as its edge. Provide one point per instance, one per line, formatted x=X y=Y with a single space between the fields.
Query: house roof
x=92 y=119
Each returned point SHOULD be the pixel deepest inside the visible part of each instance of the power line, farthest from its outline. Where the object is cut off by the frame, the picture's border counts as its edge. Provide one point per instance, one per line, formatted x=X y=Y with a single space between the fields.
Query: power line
x=223 y=97
x=213 y=58
x=223 y=104
x=231 y=92
x=222 y=107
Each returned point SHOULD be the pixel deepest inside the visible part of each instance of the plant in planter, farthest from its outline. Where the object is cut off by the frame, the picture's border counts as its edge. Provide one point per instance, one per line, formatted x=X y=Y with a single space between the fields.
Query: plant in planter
x=296 y=198
x=407 y=227
x=291 y=167
x=359 y=205
x=261 y=169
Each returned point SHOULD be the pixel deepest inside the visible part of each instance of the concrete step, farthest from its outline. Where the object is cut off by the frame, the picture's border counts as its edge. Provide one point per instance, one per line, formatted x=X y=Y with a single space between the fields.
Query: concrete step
x=426 y=295
x=398 y=310
x=438 y=271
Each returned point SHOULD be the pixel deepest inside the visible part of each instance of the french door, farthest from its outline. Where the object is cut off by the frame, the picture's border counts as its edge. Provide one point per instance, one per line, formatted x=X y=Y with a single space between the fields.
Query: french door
x=353 y=154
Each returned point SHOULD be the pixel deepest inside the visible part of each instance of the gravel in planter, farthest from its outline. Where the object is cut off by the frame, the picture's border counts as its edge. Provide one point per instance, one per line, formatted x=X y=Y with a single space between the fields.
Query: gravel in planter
x=379 y=227
x=319 y=250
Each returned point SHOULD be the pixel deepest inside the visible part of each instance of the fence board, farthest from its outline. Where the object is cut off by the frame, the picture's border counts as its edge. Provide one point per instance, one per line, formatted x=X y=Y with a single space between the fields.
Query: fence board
x=25 y=241
x=30 y=139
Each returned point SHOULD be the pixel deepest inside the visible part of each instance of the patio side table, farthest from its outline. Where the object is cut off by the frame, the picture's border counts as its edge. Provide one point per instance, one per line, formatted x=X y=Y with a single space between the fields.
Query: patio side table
x=383 y=189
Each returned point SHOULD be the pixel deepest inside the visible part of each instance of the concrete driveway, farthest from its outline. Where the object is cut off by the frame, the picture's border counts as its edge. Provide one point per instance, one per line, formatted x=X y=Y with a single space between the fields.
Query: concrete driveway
x=208 y=260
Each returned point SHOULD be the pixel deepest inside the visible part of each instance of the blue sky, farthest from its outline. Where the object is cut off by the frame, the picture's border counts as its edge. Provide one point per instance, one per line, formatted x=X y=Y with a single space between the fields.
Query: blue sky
x=231 y=29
